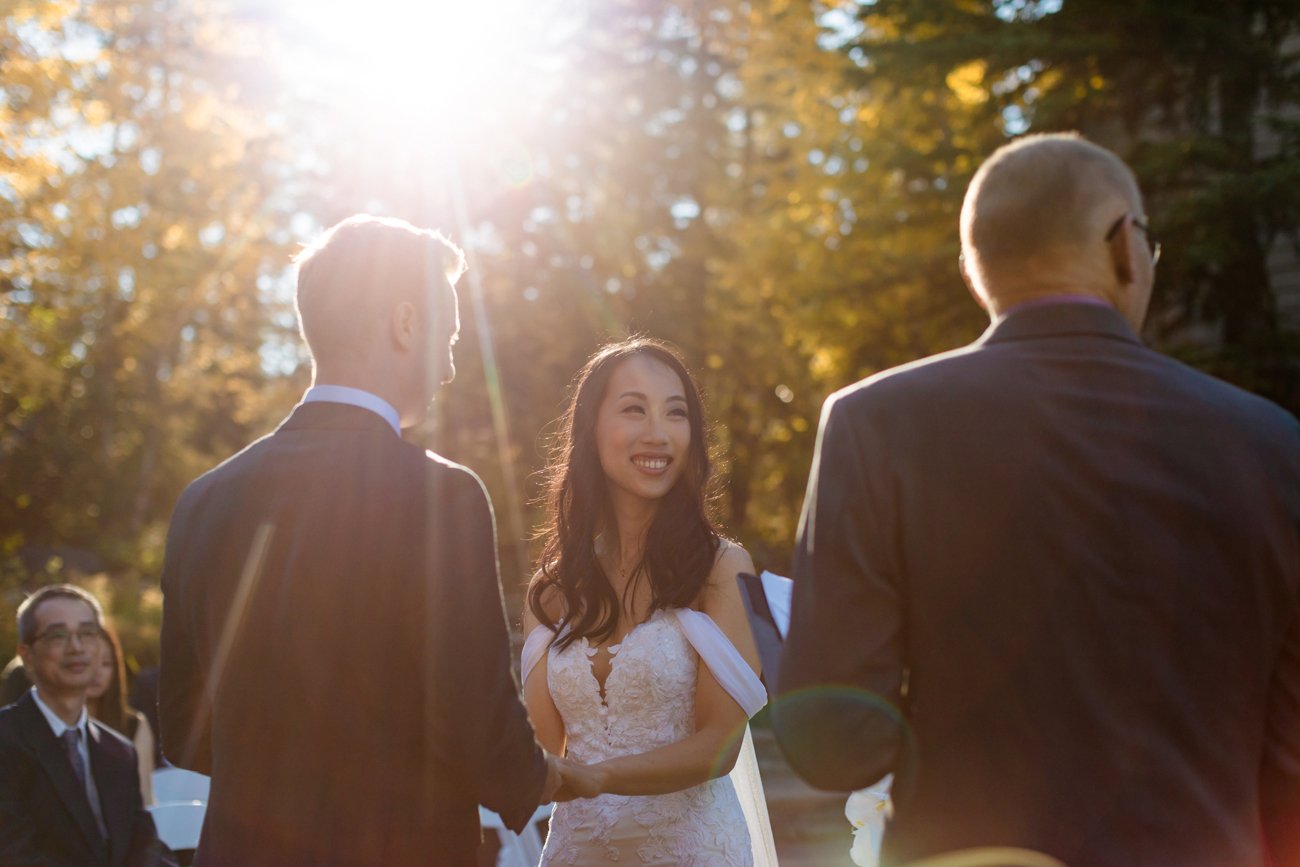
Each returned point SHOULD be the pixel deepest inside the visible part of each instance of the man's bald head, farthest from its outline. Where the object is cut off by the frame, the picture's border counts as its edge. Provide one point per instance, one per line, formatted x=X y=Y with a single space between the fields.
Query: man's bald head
x=1036 y=216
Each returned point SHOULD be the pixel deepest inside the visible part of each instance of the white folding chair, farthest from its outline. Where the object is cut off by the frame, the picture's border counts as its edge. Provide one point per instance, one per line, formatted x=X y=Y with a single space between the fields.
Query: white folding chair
x=517 y=850
x=531 y=838
x=179 y=824
x=179 y=786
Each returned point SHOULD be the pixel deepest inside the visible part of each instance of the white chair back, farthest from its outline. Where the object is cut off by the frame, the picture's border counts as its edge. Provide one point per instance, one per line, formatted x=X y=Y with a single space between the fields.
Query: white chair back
x=517 y=850
x=179 y=824
x=179 y=786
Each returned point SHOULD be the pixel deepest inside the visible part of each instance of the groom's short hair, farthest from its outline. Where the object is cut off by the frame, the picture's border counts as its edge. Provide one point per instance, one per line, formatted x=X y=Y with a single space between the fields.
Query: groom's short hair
x=360 y=269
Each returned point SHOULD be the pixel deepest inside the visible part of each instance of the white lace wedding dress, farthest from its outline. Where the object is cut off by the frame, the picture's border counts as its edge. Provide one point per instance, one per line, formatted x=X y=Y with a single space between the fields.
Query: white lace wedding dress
x=649 y=702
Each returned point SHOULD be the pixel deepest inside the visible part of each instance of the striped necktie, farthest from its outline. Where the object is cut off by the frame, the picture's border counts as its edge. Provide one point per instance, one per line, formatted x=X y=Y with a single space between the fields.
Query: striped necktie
x=71 y=741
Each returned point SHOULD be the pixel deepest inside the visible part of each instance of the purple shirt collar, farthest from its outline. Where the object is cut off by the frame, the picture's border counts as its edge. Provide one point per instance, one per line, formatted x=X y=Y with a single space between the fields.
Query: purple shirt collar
x=1051 y=300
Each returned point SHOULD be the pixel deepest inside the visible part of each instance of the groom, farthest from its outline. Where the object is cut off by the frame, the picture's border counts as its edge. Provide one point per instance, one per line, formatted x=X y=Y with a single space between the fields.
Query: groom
x=335 y=651
x=1052 y=580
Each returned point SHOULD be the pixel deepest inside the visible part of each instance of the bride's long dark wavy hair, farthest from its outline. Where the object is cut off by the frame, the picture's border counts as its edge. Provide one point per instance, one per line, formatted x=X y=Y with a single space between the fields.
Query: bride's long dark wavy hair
x=681 y=543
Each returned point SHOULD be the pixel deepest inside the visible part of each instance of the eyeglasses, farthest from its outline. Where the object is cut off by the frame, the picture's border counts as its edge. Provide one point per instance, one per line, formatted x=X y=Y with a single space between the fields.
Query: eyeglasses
x=85 y=634
x=1152 y=243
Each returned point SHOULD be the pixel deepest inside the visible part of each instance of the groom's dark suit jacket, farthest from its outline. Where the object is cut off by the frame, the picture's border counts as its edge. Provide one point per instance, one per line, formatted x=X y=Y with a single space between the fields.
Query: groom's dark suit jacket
x=335 y=652
x=45 y=817
x=1052 y=581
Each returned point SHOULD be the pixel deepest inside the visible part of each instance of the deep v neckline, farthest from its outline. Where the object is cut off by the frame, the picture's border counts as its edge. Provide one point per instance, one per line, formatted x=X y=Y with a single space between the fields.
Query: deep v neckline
x=612 y=650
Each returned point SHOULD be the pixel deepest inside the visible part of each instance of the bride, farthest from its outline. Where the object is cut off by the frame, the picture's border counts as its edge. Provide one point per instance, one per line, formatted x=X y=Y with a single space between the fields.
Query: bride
x=639 y=662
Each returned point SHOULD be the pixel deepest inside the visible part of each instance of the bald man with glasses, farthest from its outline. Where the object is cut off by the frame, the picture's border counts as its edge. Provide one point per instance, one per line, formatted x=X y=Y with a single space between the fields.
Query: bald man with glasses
x=1051 y=580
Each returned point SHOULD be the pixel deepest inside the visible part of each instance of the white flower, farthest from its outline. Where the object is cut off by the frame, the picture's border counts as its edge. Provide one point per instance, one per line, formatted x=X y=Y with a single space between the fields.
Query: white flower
x=866 y=847
x=867 y=809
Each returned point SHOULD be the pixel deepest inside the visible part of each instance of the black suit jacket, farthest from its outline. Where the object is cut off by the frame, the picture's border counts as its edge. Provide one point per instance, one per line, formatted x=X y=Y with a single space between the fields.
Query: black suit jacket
x=45 y=818
x=335 y=652
x=1051 y=580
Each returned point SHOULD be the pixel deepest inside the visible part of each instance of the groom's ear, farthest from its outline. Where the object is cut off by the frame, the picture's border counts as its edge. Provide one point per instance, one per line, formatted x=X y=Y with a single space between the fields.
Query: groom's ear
x=405 y=324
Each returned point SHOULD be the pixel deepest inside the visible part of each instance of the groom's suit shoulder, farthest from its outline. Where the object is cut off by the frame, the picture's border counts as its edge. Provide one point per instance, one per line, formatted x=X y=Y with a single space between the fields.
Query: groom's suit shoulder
x=454 y=491
x=229 y=470
x=443 y=471
x=438 y=465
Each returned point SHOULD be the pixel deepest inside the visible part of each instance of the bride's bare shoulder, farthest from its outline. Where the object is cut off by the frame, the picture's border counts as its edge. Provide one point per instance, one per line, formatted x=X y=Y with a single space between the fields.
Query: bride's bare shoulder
x=730 y=561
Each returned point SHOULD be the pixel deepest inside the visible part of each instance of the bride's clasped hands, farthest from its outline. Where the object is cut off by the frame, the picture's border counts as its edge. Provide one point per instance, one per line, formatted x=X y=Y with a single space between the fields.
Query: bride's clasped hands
x=574 y=780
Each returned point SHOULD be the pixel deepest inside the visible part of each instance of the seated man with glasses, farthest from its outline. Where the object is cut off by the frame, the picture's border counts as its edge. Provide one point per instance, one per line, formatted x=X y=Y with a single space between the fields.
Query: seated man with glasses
x=69 y=787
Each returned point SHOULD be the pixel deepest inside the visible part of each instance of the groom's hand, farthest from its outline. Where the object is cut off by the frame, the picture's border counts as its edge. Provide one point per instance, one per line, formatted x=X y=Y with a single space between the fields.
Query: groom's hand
x=562 y=769
x=554 y=780
x=580 y=781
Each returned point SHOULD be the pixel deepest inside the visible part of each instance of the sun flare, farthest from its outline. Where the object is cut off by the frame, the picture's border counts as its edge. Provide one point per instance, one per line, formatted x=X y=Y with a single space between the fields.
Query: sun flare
x=442 y=58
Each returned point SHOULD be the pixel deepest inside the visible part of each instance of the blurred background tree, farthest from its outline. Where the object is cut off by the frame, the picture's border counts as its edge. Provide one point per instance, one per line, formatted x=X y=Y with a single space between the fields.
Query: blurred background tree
x=139 y=234
x=774 y=186
x=1200 y=97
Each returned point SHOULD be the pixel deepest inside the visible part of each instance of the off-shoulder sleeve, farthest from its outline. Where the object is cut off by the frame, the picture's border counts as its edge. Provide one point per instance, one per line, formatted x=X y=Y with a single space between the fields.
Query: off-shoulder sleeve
x=535 y=647
x=740 y=682
x=726 y=664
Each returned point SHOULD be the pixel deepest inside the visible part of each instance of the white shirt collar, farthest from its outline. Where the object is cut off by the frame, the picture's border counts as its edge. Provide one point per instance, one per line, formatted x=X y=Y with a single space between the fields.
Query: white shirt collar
x=58 y=725
x=355 y=397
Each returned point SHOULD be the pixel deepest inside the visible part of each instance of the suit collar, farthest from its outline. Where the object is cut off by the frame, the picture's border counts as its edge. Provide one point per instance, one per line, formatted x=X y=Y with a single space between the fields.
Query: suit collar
x=49 y=752
x=324 y=415
x=1061 y=320
x=117 y=793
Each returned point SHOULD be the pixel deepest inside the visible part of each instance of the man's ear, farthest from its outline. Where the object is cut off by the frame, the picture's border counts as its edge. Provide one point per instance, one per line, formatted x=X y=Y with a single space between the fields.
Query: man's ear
x=23 y=651
x=1121 y=250
x=405 y=324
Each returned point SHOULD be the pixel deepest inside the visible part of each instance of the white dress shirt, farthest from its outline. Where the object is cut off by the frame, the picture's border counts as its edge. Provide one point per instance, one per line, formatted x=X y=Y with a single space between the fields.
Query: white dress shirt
x=59 y=726
x=355 y=397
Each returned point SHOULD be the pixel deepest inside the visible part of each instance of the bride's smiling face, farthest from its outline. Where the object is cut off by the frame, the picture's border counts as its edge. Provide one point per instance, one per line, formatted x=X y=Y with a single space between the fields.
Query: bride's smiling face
x=643 y=429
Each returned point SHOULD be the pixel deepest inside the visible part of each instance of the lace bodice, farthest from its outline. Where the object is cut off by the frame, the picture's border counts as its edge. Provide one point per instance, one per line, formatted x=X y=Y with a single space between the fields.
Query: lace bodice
x=649 y=702
x=649 y=697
